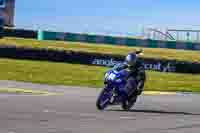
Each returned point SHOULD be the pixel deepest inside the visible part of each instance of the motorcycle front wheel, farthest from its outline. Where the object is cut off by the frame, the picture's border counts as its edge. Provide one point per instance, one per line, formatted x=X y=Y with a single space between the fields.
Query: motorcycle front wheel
x=103 y=100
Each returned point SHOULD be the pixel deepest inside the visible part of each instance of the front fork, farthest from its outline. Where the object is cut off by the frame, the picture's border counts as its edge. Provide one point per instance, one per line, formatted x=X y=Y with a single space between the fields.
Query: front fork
x=113 y=97
x=112 y=93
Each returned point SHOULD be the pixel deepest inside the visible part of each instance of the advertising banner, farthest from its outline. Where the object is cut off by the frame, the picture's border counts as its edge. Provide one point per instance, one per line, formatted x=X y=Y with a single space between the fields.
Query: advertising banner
x=155 y=65
x=95 y=59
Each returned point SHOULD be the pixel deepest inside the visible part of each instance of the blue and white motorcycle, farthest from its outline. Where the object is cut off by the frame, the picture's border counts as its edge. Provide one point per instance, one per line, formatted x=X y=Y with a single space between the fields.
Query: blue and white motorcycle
x=112 y=94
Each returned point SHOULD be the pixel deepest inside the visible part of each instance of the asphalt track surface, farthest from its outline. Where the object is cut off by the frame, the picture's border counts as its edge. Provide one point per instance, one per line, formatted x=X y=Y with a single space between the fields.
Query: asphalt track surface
x=75 y=112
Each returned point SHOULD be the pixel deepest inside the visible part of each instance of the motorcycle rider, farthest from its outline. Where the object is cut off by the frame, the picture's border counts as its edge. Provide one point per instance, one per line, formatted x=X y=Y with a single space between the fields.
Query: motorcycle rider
x=137 y=76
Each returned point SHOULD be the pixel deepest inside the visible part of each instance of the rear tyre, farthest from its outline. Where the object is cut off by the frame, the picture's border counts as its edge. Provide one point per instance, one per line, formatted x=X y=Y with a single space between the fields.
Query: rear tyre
x=128 y=104
x=102 y=100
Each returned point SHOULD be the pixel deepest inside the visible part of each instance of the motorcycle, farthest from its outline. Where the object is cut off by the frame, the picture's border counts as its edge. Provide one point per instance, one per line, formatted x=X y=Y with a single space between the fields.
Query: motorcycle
x=112 y=93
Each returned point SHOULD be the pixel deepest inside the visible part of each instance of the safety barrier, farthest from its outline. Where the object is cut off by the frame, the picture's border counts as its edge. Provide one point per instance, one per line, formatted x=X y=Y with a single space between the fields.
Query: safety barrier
x=47 y=35
x=99 y=39
x=98 y=59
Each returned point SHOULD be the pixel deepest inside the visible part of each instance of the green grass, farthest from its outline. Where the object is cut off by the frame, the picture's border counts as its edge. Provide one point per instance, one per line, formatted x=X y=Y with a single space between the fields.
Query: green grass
x=90 y=76
x=182 y=55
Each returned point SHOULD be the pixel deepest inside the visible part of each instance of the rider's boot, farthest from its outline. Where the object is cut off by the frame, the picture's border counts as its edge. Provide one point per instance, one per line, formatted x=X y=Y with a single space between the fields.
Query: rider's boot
x=140 y=88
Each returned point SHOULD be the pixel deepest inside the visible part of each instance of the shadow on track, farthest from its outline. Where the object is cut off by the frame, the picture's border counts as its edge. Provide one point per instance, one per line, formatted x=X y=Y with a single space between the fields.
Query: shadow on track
x=155 y=112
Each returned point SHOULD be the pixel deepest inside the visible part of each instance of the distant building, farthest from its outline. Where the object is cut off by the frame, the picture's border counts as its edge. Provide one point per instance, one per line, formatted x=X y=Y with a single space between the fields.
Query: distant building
x=7 y=10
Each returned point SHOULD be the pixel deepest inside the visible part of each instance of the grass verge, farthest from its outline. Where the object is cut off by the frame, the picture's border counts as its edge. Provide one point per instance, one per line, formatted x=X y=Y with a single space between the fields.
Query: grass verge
x=158 y=53
x=90 y=76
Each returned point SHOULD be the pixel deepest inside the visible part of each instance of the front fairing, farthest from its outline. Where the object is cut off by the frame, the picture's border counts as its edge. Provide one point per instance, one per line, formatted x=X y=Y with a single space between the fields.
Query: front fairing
x=115 y=82
x=116 y=79
x=115 y=87
x=114 y=93
x=120 y=75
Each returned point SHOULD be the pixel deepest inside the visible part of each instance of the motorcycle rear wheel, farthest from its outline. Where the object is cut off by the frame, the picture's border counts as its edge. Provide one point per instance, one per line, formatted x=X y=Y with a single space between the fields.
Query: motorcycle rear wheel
x=128 y=104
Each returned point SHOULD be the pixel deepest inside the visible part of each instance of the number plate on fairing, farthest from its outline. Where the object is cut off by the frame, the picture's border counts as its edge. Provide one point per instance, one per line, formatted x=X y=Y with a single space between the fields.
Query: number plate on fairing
x=112 y=76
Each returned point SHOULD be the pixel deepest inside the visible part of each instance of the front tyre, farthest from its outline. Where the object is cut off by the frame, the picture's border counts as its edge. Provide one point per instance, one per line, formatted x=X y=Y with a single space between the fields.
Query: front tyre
x=102 y=100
